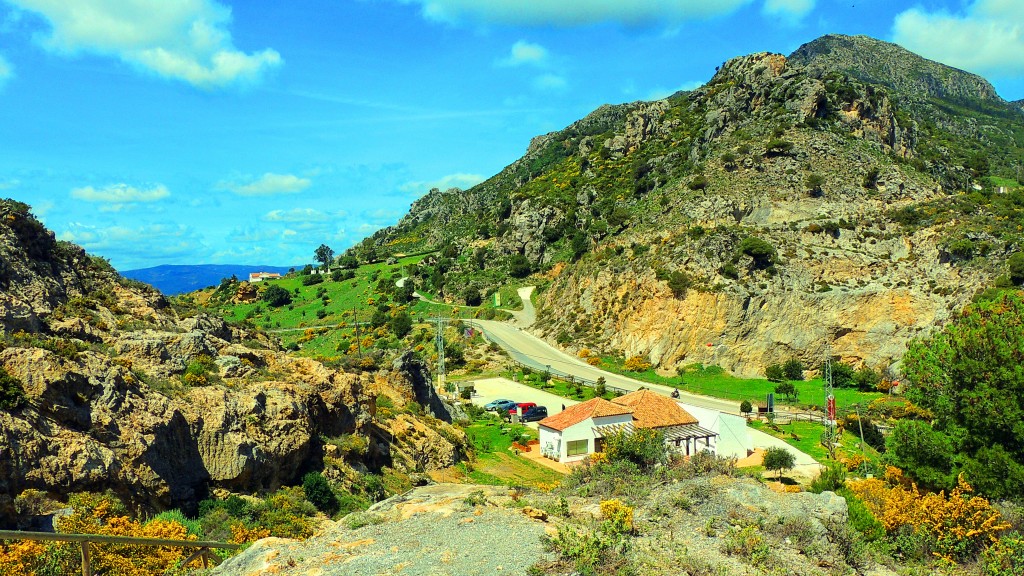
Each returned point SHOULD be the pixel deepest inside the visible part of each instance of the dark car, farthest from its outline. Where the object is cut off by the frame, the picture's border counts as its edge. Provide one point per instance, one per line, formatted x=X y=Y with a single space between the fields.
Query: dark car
x=535 y=413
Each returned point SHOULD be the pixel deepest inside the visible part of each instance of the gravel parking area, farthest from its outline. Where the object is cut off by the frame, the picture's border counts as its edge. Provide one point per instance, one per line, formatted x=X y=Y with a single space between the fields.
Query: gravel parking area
x=489 y=389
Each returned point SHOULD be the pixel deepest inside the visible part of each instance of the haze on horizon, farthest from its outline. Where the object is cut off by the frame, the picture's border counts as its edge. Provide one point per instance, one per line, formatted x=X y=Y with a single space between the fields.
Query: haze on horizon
x=211 y=131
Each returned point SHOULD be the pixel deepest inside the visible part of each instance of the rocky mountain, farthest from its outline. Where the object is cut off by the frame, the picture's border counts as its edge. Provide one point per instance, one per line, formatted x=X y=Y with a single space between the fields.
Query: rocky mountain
x=842 y=197
x=174 y=279
x=105 y=385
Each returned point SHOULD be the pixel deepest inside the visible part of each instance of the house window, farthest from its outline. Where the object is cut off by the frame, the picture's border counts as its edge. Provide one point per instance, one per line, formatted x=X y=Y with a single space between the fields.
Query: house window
x=576 y=447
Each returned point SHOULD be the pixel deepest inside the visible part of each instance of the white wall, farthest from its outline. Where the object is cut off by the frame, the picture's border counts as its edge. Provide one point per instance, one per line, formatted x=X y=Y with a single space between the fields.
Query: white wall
x=733 y=437
x=581 y=431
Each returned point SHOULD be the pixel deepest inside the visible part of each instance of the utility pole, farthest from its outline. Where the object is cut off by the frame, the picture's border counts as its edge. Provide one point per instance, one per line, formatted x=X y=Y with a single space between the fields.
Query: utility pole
x=439 y=343
x=830 y=405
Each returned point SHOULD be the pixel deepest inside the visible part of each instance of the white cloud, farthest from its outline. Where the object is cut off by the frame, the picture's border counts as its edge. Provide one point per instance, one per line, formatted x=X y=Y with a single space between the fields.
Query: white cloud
x=296 y=215
x=788 y=9
x=524 y=52
x=6 y=71
x=574 y=12
x=181 y=39
x=117 y=197
x=987 y=38
x=457 y=180
x=135 y=247
x=550 y=83
x=267 y=185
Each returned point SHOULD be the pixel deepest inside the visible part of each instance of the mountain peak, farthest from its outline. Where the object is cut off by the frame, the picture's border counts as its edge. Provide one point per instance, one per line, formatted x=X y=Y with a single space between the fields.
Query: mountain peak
x=876 y=61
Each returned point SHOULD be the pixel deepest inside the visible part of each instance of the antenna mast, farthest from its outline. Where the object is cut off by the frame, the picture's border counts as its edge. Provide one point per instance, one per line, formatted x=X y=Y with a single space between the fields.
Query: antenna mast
x=439 y=343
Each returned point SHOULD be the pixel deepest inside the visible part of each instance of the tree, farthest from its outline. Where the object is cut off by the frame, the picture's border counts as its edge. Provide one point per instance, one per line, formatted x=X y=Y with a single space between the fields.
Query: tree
x=971 y=377
x=786 y=389
x=793 y=369
x=324 y=255
x=774 y=373
x=778 y=458
x=843 y=375
x=348 y=262
x=867 y=379
x=745 y=407
x=276 y=296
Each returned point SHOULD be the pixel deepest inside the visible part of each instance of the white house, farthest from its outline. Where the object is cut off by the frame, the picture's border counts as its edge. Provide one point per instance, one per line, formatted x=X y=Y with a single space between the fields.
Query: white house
x=579 y=430
x=261 y=276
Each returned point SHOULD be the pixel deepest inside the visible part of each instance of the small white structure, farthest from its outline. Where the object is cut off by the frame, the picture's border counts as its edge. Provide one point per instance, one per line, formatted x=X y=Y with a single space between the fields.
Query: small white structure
x=733 y=435
x=261 y=276
x=579 y=430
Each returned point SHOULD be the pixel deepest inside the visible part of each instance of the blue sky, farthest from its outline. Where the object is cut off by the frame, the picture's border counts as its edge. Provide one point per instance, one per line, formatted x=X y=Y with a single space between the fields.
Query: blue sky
x=214 y=131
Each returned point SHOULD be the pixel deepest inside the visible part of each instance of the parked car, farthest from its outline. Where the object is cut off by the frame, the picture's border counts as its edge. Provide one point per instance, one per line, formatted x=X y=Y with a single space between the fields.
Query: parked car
x=535 y=413
x=524 y=405
x=499 y=405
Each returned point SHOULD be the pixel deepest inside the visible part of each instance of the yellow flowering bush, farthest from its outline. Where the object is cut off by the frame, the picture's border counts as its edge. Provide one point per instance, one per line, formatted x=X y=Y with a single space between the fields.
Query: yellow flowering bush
x=618 y=515
x=637 y=364
x=957 y=527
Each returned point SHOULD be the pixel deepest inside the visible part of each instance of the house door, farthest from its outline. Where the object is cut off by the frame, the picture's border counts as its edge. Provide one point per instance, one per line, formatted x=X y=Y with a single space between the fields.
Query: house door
x=598 y=444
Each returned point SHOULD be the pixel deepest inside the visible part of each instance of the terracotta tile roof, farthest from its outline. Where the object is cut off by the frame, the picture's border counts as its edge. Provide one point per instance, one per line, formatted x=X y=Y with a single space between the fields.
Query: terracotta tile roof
x=652 y=410
x=593 y=408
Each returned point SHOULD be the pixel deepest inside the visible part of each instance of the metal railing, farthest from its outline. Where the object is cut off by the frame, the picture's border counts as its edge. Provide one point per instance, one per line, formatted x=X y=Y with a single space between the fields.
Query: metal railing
x=204 y=552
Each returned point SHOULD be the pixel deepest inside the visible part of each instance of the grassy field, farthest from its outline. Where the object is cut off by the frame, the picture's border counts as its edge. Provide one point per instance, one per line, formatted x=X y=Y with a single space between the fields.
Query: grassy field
x=808 y=440
x=496 y=464
x=713 y=381
x=323 y=317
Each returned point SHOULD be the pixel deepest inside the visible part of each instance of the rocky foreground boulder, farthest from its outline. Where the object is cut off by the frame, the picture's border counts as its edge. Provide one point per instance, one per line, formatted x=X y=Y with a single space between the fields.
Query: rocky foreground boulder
x=708 y=525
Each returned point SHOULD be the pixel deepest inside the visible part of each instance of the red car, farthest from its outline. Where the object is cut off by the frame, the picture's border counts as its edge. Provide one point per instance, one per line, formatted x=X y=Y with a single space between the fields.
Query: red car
x=524 y=405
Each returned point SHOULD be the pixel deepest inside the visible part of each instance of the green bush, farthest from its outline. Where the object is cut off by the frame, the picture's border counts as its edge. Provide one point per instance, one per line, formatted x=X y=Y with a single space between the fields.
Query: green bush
x=745 y=407
x=318 y=492
x=312 y=279
x=12 y=394
x=643 y=447
x=778 y=458
x=276 y=296
x=761 y=251
x=774 y=373
x=793 y=369
x=831 y=478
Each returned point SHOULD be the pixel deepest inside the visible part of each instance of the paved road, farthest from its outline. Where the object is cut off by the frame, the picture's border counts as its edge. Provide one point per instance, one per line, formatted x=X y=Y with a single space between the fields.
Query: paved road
x=528 y=315
x=532 y=351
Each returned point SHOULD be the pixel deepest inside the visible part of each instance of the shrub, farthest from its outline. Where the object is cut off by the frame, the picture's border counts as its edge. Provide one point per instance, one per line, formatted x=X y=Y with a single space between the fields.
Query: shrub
x=472 y=296
x=318 y=492
x=956 y=527
x=748 y=544
x=644 y=447
x=814 y=181
x=12 y=394
x=637 y=364
x=312 y=279
x=745 y=407
x=1005 y=557
x=793 y=369
x=276 y=296
x=786 y=389
x=831 y=478
x=699 y=182
x=679 y=282
x=618 y=515
x=774 y=373
x=778 y=147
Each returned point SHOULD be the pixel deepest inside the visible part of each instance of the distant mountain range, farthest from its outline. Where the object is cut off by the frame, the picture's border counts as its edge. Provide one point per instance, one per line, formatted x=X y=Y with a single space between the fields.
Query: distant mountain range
x=178 y=279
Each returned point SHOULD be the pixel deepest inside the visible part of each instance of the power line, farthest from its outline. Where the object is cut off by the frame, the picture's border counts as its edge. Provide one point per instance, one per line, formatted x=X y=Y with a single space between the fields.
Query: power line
x=439 y=343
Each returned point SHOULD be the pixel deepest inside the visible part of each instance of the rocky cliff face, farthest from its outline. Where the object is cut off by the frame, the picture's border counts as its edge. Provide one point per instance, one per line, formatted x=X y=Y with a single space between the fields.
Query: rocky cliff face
x=123 y=392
